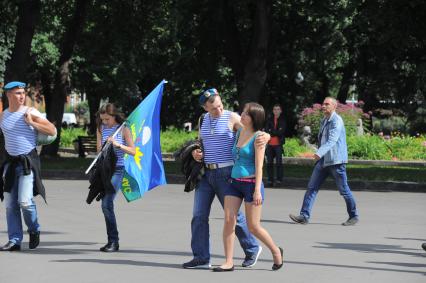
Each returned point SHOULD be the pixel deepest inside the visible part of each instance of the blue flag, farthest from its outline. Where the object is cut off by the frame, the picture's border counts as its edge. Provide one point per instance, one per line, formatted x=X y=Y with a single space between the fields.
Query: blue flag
x=145 y=170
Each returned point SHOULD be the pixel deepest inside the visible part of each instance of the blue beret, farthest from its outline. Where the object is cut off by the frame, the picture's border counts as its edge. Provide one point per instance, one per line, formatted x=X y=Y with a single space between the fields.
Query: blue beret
x=12 y=85
x=205 y=95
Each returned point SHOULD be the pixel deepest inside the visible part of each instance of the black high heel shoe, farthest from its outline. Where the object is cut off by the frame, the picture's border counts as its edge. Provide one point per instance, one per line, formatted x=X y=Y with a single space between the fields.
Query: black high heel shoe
x=278 y=266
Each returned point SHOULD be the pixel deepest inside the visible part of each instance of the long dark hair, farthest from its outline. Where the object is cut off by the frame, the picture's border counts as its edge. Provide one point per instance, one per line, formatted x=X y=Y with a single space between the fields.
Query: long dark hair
x=257 y=115
x=111 y=110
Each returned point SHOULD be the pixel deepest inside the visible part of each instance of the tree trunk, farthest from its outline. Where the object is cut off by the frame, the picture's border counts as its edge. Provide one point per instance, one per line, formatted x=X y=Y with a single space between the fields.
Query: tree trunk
x=347 y=81
x=255 y=71
x=93 y=100
x=56 y=101
x=250 y=77
x=324 y=89
x=16 y=66
x=233 y=51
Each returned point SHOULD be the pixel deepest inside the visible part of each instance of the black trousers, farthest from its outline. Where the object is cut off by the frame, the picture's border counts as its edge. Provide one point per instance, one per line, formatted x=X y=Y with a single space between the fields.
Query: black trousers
x=274 y=152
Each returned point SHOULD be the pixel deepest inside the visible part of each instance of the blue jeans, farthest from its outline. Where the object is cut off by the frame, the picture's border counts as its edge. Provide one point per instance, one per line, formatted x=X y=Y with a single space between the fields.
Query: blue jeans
x=108 y=206
x=214 y=183
x=318 y=176
x=20 y=198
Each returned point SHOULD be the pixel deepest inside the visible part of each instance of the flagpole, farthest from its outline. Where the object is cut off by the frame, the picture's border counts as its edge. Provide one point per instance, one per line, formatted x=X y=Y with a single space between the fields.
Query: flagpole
x=99 y=154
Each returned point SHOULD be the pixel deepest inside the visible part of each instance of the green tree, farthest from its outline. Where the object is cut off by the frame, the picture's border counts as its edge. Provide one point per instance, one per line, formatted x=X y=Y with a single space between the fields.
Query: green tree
x=28 y=18
x=55 y=101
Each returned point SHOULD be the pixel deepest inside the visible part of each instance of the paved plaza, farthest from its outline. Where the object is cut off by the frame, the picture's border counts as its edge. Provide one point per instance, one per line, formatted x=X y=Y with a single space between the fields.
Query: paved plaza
x=155 y=239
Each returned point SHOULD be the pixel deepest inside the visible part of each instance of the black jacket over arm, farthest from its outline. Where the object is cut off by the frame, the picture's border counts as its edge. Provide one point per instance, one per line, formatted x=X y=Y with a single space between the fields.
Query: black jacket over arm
x=192 y=169
x=30 y=163
x=101 y=174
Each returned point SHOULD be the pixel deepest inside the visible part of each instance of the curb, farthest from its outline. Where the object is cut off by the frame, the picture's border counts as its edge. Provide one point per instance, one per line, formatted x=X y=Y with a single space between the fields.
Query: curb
x=302 y=160
x=310 y=161
x=288 y=183
x=355 y=185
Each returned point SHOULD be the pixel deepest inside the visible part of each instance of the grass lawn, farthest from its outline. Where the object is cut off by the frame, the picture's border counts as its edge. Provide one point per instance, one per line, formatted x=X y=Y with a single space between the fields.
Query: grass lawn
x=355 y=172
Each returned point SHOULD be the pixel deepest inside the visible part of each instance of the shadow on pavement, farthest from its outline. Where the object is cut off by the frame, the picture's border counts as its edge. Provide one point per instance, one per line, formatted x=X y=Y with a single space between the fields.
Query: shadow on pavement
x=370 y=248
x=45 y=248
x=404 y=264
x=286 y=222
x=291 y=222
x=354 y=267
x=406 y=239
x=125 y=262
x=179 y=266
x=42 y=233
x=53 y=244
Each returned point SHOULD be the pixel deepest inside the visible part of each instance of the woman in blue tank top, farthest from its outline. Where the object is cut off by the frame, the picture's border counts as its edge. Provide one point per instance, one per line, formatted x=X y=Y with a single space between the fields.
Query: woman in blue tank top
x=247 y=185
x=109 y=119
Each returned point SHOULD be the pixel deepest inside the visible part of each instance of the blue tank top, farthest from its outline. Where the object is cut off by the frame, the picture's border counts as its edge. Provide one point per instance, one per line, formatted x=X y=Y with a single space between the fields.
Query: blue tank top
x=217 y=138
x=106 y=133
x=20 y=138
x=244 y=158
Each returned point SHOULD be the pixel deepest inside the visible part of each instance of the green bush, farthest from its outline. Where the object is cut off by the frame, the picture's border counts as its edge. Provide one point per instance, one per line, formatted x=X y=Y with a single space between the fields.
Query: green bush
x=408 y=148
x=68 y=135
x=172 y=140
x=292 y=148
x=368 y=147
x=378 y=148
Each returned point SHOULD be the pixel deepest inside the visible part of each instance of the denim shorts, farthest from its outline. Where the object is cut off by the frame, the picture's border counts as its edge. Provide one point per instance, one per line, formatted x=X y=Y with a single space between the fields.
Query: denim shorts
x=243 y=190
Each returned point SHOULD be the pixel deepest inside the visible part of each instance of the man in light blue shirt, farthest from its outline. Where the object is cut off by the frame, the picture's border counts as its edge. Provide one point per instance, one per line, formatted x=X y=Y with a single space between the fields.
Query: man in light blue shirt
x=331 y=157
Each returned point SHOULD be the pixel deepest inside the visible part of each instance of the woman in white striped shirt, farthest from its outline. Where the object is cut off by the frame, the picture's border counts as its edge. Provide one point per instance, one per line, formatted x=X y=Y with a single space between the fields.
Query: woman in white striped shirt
x=109 y=119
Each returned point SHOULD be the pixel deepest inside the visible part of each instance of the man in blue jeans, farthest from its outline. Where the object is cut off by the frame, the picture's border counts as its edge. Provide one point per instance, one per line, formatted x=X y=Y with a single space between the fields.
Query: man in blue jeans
x=217 y=133
x=21 y=177
x=331 y=157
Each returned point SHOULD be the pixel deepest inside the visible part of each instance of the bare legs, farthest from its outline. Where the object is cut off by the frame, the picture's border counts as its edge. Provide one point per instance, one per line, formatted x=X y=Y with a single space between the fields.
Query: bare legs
x=253 y=213
x=231 y=207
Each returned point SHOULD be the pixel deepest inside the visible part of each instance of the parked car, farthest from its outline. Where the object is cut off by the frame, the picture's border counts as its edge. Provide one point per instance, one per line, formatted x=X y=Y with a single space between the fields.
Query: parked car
x=68 y=120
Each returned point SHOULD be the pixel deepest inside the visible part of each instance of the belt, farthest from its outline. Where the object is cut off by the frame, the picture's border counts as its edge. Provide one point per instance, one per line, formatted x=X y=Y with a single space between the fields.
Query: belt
x=246 y=180
x=219 y=165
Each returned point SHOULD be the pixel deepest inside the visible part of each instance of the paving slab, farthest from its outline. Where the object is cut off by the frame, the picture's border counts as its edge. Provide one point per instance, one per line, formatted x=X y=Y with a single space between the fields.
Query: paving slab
x=155 y=239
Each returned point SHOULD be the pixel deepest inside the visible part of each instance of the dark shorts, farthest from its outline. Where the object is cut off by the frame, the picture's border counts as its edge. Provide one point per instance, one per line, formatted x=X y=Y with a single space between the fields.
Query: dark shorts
x=243 y=190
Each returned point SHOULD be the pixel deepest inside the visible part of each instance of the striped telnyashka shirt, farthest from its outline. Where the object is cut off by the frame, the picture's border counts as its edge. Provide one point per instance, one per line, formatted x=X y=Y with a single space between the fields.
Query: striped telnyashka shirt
x=217 y=138
x=106 y=133
x=20 y=138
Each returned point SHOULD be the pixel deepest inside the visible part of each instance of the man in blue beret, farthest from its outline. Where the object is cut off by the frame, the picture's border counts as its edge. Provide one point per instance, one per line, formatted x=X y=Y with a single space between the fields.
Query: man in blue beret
x=217 y=132
x=13 y=85
x=21 y=170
